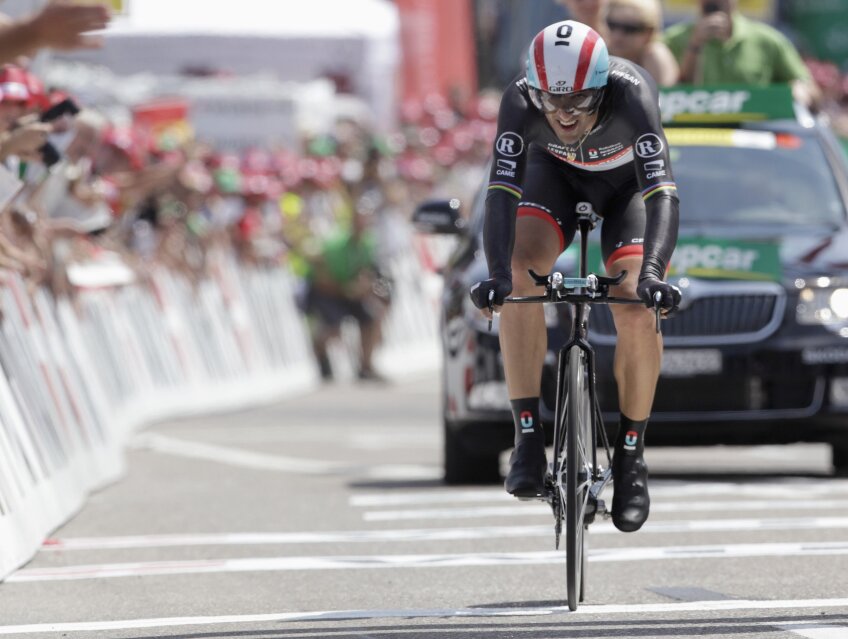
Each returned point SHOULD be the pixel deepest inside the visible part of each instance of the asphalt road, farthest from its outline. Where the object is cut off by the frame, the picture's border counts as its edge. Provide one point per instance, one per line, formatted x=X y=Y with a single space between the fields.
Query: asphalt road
x=324 y=517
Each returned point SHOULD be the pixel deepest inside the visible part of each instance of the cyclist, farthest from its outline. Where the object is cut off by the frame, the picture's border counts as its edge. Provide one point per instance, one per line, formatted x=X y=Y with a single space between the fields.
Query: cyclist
x=580 y=126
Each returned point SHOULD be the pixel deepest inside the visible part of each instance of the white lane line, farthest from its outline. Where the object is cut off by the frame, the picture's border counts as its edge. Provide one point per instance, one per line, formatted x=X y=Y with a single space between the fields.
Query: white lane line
x=333 y=562
x=279 y=463
x=659 y=488
x=817 y=631
x=334 y=615
x=528 y=509
x=432 y=534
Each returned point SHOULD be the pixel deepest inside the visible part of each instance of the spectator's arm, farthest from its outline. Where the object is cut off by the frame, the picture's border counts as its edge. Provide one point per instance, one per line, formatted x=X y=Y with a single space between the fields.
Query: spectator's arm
x=59 y=25
x=660 y=63
x=789 y=67
x=25 y=141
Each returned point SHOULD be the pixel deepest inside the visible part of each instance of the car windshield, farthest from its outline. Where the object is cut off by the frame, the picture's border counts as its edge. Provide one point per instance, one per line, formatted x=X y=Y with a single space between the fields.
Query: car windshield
x=743 y=177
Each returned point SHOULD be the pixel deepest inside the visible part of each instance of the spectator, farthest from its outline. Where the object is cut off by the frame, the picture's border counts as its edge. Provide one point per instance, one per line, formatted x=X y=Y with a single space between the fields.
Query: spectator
x=724 y=47
x=589 y=12
x=345 y=282
x=61 y=24
x=634 y=27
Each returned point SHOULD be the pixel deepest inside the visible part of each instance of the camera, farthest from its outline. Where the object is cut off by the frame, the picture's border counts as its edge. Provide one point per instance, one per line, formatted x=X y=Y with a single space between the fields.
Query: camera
x=50 y=154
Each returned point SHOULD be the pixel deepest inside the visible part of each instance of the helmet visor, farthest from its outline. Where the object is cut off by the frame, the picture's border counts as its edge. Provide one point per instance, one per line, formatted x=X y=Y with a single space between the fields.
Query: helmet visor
x=585 y=101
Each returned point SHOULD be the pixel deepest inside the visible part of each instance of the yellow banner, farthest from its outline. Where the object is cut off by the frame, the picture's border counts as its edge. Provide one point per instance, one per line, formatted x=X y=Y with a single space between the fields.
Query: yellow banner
x=679 y=9
x=118 y=7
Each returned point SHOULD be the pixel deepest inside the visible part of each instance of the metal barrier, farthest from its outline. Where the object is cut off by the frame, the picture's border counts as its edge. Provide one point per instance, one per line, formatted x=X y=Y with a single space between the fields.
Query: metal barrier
x=78 y=376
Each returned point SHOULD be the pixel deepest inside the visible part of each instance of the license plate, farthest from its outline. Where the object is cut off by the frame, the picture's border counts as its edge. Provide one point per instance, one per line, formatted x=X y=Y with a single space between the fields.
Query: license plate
x=689 y=362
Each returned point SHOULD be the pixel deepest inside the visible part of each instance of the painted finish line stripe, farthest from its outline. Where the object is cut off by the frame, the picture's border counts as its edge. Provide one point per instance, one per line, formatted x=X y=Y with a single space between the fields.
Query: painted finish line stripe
x=263 y=564
x=434 y=534
x=262 y=461
x=524 y=510
x=816 y=631
x=337 y=615
x=792 y=489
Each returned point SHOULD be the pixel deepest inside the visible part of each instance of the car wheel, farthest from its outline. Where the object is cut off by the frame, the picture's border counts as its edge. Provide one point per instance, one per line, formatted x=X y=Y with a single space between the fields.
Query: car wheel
x=840 y=457
x=464 y=466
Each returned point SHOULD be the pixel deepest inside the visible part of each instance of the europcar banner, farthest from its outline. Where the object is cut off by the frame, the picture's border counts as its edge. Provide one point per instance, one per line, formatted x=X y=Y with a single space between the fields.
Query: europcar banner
x=713 y=258
x=726 y=103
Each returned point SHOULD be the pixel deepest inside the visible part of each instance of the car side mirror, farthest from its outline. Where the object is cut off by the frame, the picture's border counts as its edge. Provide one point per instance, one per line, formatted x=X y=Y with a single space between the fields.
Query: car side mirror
x=439 y=216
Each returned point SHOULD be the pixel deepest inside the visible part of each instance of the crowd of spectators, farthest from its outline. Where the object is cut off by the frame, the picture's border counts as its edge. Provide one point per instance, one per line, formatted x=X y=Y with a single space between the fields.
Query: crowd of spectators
x=77 y=188
x=87 y=200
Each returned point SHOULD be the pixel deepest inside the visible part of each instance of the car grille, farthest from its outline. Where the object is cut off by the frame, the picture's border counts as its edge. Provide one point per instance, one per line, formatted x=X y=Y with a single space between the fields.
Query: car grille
x=765 y=382
x=716 y=317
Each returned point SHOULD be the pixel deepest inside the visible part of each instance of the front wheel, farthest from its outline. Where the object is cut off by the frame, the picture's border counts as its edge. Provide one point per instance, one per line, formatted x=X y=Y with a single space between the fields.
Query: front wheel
x=578 y=472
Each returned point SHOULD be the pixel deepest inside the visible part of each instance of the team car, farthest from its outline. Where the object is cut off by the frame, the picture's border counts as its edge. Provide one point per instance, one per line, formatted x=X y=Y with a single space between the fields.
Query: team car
x=757 y=353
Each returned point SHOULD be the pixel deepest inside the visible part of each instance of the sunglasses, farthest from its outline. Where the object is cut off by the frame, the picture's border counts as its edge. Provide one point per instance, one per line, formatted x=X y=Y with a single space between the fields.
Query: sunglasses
x=585 y=101
x=627 y=28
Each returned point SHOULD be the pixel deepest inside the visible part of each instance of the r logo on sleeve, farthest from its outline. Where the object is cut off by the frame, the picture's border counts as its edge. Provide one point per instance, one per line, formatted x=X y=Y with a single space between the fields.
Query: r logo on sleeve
x=510 y=144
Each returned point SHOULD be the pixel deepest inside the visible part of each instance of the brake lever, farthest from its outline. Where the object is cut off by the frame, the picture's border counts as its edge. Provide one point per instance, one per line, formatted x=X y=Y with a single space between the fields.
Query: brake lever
x=658 y=309
x=491 y=308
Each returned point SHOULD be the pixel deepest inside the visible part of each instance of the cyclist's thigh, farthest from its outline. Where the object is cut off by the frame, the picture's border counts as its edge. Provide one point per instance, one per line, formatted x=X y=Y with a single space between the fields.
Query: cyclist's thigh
x=623 y=231
x=547 y=206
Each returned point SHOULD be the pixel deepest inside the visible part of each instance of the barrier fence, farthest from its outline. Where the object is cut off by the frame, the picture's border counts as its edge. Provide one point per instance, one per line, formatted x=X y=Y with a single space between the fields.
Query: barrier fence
x=79 y=375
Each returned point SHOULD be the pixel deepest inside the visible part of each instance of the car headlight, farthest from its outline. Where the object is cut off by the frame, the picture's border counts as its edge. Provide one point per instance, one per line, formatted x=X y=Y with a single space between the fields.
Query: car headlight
x=825 y=306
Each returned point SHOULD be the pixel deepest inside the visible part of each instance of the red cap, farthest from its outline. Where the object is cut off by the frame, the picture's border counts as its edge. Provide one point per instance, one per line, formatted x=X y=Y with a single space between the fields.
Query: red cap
x=38 y=98
x=13 y=84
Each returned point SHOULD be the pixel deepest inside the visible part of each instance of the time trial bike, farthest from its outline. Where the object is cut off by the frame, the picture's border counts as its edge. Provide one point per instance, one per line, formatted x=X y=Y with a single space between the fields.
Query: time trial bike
x=576 y=475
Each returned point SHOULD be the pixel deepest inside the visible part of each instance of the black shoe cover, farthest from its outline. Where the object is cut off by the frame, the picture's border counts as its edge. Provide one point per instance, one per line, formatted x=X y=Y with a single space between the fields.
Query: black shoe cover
x=630 y=501
x=527 y=469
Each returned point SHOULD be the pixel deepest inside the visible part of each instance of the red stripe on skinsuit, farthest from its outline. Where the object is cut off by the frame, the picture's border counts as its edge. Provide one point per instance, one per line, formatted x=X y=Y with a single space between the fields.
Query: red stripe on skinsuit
x=584 y=59
x=625 y=251
x=529 y=211
x=539 y=60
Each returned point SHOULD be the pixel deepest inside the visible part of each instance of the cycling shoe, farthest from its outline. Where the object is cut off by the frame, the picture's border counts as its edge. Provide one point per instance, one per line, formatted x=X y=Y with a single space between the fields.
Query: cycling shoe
x=527 y=469
x=630 y=502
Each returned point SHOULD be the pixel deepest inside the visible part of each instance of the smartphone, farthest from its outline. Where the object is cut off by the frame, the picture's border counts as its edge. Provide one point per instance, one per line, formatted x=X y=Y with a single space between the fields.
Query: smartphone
x=65 y=107
x=711 y=7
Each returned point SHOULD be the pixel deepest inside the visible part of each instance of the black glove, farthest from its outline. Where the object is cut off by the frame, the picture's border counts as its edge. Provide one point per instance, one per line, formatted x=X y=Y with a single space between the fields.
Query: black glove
x=649 y=287
x=500 y=286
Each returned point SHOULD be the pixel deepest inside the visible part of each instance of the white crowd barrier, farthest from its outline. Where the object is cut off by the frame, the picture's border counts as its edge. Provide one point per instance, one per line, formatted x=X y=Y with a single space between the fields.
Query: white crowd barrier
x=78 y=376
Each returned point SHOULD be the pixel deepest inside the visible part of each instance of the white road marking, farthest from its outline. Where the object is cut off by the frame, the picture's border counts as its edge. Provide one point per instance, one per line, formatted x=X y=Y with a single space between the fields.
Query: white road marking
x=333 y=562
x=333 y=615
x=433 y=534
x=540 y=508
x=817 y=631
x=790 y=489
x=279 y=463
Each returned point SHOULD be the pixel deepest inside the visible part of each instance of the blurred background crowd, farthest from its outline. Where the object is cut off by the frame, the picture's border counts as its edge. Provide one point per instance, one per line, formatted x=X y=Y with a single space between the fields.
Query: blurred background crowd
x=141 y=136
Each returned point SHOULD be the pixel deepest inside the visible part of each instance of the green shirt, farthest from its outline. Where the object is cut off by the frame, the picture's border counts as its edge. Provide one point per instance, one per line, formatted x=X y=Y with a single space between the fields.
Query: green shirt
x=756 y=54
x=345 y=257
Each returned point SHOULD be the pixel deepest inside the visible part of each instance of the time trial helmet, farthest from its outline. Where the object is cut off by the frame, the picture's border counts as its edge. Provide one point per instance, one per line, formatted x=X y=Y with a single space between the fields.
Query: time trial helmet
x=567 y=57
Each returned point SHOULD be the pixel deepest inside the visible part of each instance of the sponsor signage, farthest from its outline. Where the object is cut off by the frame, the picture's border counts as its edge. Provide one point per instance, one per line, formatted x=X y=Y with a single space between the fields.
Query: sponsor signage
x=726 y=259
x=707 y=258
x=686 y=104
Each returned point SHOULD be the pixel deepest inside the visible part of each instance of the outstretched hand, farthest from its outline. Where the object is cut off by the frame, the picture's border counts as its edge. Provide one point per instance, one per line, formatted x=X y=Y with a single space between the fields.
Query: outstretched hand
x=66 y=25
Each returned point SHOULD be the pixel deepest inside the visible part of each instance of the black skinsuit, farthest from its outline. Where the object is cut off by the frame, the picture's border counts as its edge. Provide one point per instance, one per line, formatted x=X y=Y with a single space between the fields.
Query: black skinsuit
x=622 y=167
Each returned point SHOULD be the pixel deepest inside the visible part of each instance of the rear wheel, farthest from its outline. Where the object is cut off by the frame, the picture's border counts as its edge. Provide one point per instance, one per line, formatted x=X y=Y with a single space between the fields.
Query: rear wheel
x=578 y=472
x=465 y=466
